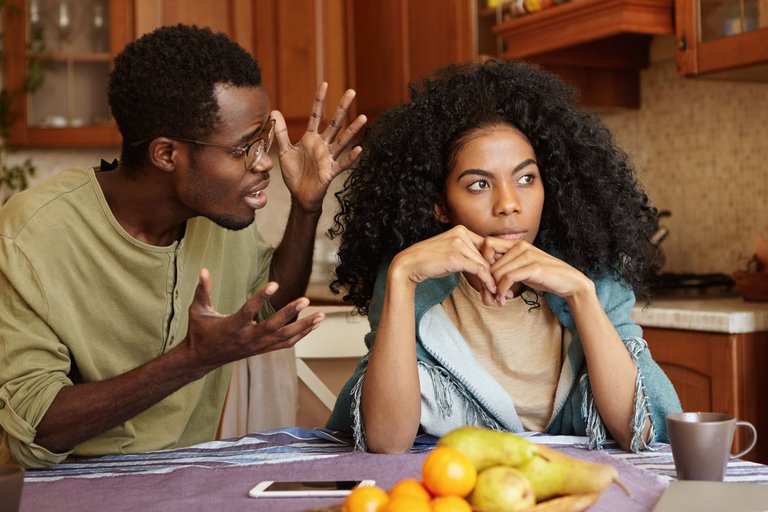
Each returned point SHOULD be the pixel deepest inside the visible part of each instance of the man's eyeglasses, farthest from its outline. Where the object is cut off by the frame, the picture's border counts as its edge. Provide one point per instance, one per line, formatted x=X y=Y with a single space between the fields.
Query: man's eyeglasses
x=251 y=158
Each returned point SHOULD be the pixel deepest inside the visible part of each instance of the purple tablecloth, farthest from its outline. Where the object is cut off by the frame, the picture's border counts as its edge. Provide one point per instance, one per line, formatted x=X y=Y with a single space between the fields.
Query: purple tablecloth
x=217 y=476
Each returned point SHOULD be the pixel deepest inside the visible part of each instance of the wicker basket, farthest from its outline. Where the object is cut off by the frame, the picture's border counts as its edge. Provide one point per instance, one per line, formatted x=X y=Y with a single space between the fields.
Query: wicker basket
x=753 y=286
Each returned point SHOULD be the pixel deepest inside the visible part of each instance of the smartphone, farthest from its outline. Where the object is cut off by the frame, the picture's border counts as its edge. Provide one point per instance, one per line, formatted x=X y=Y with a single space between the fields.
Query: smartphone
x=306 y=489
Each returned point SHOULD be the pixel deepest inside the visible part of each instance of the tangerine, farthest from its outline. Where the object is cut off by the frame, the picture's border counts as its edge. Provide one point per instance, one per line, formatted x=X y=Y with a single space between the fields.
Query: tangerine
x=410 y=487
x=366 y=499
x=405 y=503
x=448 y=472
x=450 y=504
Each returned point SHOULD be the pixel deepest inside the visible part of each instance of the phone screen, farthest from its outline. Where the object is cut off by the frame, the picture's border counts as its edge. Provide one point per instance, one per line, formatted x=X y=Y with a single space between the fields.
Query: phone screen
x=306 y=488
x=318 y=485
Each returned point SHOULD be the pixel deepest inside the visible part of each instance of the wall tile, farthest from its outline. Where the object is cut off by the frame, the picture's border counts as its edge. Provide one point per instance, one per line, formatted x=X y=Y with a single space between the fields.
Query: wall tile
x=700 y=148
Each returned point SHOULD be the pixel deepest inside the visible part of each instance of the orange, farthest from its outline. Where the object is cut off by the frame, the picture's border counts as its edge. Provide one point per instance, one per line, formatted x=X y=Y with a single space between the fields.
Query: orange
x=410 y=487
x=450 y=504
x=447 y=472
x=366 y=499
x=404 y=503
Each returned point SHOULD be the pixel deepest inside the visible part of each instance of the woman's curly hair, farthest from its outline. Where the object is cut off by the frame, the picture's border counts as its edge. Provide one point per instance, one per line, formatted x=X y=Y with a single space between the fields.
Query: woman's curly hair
x=595 y=216
x=163 y=84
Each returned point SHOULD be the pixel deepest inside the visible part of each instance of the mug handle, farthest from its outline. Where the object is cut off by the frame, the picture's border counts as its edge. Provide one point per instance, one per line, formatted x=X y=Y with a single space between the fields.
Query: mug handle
x=752 y=442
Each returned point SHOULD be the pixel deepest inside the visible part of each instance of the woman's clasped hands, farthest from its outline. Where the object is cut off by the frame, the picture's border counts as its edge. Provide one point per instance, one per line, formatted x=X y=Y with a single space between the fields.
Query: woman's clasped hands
x=498 y=268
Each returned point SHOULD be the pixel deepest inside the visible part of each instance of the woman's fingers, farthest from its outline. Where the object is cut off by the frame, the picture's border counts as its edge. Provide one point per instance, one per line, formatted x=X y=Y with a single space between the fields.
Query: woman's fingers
x=466 y=244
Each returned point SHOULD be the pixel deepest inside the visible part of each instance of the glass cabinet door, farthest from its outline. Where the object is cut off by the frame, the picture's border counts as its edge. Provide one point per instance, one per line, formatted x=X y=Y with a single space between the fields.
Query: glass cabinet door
x=81 y=39
x=722 y=39
x=724 y=18
x=76 y=35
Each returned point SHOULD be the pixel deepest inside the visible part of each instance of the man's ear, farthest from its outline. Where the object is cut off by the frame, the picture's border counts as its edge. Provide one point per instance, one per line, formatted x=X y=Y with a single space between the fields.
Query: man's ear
x=440 y=214
x=162 y=153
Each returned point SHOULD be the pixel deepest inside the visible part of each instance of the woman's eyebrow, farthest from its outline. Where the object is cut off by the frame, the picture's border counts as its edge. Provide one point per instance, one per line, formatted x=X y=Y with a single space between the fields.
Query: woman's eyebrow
x=523 y=164
x=481 y=172
x=474 y=172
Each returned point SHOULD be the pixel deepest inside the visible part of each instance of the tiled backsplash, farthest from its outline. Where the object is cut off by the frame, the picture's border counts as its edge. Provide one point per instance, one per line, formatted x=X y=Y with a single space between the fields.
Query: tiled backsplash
x=700 y=148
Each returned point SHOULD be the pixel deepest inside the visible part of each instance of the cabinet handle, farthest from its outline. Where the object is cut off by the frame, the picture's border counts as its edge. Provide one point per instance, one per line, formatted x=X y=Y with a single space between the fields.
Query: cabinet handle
x=681 y=44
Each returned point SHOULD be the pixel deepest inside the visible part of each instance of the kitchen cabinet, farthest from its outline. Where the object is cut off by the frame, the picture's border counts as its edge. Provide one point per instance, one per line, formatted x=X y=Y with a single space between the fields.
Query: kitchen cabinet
x=598 y=46
x=722 y=38
x=299 y=43
x=718 y=372
x=394 y=42
x=82 y=38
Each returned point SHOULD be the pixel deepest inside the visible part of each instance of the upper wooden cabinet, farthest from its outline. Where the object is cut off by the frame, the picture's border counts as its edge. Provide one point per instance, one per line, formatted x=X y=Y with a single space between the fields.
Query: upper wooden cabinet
x=82 y=38
x=723 y=38
x=394 y=42
x=599 y=46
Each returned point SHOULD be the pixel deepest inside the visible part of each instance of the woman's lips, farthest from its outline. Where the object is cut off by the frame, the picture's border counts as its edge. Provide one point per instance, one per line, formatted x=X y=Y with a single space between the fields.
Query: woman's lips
x=510 y=235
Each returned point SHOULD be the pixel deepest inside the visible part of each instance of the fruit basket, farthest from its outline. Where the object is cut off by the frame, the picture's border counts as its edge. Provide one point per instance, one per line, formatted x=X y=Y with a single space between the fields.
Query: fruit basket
x=753 y=286
x=478 y=469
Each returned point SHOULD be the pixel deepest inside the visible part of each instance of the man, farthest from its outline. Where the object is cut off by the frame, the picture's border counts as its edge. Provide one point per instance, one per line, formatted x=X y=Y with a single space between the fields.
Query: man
x=126 y=292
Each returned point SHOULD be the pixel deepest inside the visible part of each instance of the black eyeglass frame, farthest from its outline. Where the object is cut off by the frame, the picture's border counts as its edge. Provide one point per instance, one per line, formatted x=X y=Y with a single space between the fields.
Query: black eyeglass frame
x=265 y=143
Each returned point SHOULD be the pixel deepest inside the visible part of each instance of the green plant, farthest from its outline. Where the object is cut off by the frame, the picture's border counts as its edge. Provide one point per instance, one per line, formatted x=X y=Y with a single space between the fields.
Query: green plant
x=15 y=177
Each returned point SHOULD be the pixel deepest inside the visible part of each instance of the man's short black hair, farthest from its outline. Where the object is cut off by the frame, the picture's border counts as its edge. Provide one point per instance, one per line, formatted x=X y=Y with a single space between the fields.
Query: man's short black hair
x=163 y=84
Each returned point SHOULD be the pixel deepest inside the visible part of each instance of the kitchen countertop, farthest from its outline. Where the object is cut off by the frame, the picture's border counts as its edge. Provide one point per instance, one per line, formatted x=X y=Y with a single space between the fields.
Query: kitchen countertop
x=730 y=315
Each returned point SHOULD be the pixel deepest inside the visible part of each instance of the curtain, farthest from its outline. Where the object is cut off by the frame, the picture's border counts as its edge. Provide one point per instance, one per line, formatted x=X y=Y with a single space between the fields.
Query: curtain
x=263 y=394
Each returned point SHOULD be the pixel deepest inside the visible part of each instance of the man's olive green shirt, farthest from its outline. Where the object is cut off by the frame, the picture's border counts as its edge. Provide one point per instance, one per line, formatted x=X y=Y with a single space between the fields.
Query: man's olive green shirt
x=83 y=301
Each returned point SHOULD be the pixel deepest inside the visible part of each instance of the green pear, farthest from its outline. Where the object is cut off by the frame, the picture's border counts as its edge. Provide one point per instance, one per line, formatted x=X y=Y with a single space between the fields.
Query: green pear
x=555 y=474
x=486 y=447
x=502 y=489
x=567 y=503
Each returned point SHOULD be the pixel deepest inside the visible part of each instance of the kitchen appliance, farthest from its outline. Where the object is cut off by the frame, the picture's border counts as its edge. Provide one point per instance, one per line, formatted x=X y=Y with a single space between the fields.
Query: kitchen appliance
x=683 y=284
x=692 y=285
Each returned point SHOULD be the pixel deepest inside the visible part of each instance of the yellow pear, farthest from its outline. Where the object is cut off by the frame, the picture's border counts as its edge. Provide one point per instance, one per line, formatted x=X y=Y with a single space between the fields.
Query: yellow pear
x=555 y=474
x=502 y=489
x=486 y=447
x=568 y=503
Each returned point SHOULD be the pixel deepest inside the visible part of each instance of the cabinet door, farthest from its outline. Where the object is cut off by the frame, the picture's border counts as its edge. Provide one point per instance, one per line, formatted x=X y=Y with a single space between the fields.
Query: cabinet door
x=231 y=17
x=82 y=38
x=714 y=372
x=298 y=43
x=697 y=366
x=725 y=38
x=395 y=42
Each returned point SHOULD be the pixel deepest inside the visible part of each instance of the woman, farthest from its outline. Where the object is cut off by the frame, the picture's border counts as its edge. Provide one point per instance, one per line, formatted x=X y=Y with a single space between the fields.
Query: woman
x=494 y=235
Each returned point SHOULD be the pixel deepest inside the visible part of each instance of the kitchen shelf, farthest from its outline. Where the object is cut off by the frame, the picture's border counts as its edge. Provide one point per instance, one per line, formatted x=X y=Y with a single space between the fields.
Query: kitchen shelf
x=79 y=57
x=583 y=21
